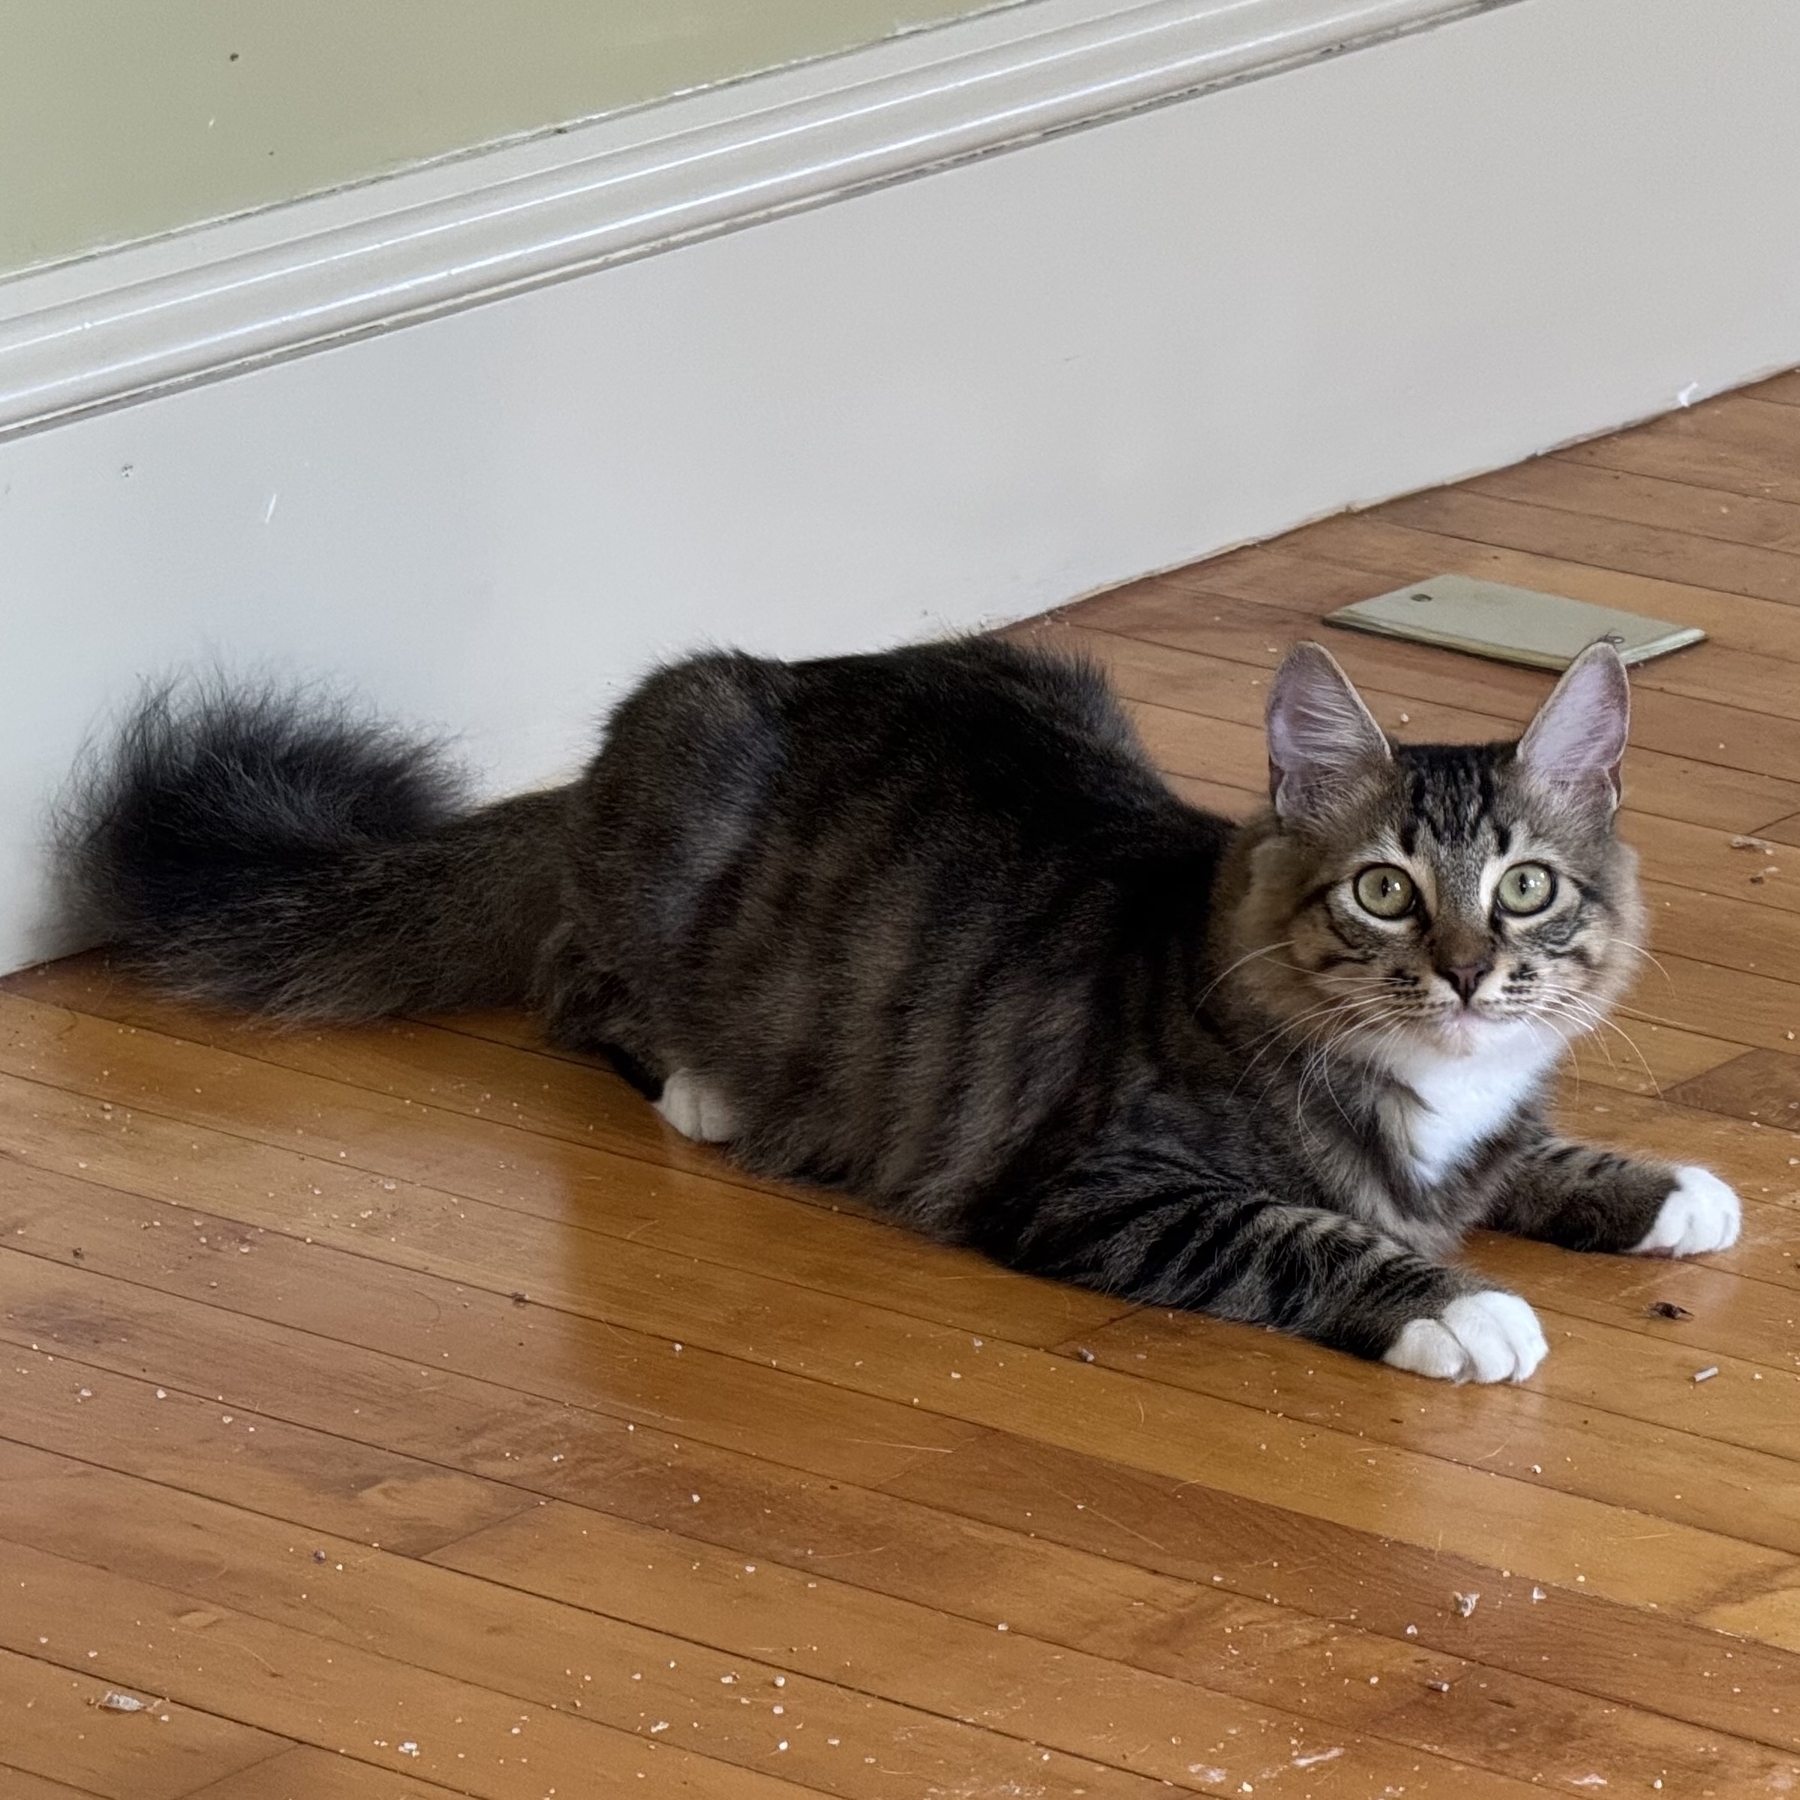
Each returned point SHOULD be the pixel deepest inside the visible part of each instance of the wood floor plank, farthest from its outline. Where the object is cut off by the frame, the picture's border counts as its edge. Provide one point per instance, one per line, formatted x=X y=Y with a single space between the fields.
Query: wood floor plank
x=916 y=1559
x=1550 y=1632
x=821 y=1716
x=55 y=1727
x=276 y=1281
x=394 y=1336
x=1702 y=860
x=16 y=1784
x=1185 y=1595
x=1782 y=831
x=1762 y=1086
x=339 y=1697
x=1783 y=390
x=1011 y=1387
x=1032 y=1588
x=354 y=1232
x=1004 y=1676
x=1757 y=1009
x=185 y=1439
x=1742 y=446
x=1565 y=486
x=1655 y=1059
x=1727 y=930
x=307 y=1774
x=1751 y=1322
x=1604 y=542
x=1118 y=1609
x=1354 y=556
x=1568 y=1429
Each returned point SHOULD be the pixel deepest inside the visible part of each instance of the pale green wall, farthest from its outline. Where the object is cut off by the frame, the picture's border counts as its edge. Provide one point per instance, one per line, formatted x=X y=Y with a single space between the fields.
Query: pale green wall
x=120 y=119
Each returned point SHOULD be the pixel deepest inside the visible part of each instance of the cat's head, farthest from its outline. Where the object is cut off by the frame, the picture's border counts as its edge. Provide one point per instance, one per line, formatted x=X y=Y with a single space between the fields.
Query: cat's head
x=1446 y=898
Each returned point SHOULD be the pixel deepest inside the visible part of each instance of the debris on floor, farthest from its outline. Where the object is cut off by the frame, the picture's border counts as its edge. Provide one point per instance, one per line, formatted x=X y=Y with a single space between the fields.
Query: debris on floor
x=1666 y=1309
x=1465 y=1604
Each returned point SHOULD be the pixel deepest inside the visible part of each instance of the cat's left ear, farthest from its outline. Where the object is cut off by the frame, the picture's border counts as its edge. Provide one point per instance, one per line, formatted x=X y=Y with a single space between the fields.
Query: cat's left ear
x=1578 y=738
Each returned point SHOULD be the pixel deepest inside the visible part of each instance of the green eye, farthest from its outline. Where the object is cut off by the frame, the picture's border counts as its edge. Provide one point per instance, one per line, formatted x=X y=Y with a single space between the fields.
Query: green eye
x=1385 y=891
x=1526 y=888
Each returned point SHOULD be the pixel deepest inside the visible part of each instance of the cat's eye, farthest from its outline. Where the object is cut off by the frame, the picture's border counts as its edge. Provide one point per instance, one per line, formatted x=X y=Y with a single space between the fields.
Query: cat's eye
x=1385 y=891
x=1526 y=888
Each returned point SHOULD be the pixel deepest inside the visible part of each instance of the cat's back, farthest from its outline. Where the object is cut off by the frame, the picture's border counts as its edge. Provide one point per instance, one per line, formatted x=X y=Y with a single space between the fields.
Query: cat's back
x=975 y=726
x=978 y=727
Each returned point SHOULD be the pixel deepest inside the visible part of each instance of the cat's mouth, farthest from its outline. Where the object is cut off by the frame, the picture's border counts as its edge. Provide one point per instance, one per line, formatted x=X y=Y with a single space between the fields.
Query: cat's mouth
x=1460 y=1031
x=1466 y=1030
x=1506 y=1031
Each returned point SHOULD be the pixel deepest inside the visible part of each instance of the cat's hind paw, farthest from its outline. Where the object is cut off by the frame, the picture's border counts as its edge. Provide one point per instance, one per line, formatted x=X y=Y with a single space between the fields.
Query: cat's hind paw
x=1700 y=1214
x=1490 y=1336
x=697 y=1109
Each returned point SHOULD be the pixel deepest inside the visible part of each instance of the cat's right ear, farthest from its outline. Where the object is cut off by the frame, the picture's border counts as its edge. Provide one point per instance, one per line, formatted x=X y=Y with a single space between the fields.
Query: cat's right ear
x=1321 y=735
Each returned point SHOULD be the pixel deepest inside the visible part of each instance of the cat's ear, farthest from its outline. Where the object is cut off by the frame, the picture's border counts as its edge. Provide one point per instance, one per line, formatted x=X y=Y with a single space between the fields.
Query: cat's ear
x=1320 y=733
x=1578 y=738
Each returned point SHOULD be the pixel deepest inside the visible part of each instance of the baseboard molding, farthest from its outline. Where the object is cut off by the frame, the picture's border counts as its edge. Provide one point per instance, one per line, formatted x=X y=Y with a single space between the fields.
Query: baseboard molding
x=120 y=326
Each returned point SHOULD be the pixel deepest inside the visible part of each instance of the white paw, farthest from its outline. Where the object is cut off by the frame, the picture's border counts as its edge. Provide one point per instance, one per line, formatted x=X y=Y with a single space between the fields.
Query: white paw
x=1700 y=1214
x=696 y=1109
x=1488 y=1336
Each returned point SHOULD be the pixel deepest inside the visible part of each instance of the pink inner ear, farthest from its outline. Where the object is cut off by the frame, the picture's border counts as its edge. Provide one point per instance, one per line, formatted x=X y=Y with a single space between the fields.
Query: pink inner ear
x=1581 y=729
x=1318 y=725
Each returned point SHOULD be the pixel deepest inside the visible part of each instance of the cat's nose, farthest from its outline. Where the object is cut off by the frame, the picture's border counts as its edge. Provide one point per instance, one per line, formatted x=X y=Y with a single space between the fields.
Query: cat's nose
x=1466 y=978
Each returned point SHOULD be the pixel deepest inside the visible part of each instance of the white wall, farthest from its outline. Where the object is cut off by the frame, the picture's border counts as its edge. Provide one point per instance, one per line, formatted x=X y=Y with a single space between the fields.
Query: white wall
x=965 y=397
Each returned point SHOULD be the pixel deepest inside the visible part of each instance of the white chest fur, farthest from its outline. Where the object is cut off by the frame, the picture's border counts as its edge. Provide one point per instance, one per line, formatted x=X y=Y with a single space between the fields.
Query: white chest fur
x=1464 y=1099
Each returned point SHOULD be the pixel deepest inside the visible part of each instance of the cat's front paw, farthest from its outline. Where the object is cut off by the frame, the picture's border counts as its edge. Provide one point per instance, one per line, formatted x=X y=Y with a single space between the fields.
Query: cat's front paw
x=1700 y=1214
x=1490 y=1336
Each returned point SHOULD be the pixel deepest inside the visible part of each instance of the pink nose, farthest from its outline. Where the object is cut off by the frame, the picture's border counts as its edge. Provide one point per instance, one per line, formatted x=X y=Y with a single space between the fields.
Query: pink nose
x=1466 y=979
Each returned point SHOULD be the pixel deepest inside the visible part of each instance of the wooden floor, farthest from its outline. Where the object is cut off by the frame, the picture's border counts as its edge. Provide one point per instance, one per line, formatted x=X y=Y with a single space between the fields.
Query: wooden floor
x=405 y=1412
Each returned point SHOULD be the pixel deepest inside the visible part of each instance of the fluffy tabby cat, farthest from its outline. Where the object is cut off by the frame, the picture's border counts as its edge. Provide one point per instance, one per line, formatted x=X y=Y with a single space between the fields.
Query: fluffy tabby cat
x=928 y=925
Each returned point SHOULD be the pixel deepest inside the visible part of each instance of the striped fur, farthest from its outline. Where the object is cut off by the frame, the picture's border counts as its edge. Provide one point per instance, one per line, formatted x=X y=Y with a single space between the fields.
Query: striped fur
x=928 y=926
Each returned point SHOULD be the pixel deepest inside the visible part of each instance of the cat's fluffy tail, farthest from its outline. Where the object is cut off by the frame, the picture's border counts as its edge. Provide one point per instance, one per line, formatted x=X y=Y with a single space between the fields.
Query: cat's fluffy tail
x=264 y=851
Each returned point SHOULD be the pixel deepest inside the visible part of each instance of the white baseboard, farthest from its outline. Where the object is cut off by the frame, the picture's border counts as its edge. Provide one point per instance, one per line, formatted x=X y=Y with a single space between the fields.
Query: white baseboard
x=926 y=405
x=196 y=305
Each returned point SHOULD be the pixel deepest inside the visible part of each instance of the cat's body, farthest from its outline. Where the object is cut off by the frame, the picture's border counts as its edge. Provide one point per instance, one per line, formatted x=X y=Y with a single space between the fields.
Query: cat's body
x=929 y=926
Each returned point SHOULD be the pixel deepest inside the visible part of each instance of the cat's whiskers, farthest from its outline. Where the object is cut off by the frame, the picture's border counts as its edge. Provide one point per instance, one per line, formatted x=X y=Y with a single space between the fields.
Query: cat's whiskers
x=1649 y=1018
x=1592 y=1021
x=1317 y=1067
x=1348 y=1007
x=1339 y=1005
x=1273 y=1037
x=1639 y=950
x=1282 y=1026
x=1265 y=950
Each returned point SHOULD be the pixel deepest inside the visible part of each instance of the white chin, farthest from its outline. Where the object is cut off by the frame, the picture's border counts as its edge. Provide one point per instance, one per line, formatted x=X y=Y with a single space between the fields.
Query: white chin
x=1464 y=1033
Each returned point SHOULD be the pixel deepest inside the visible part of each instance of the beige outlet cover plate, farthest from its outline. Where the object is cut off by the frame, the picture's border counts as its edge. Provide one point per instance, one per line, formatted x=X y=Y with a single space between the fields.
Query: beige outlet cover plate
x=1509 y=624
